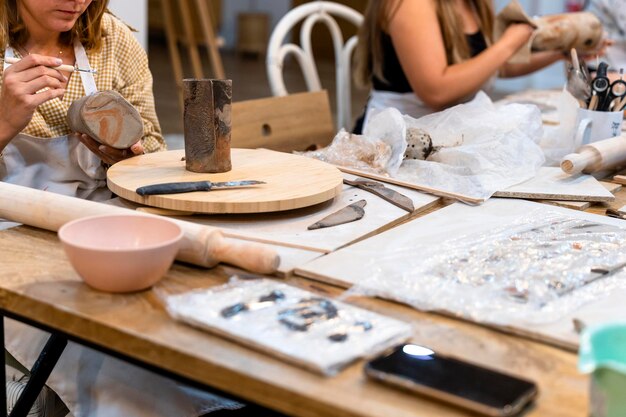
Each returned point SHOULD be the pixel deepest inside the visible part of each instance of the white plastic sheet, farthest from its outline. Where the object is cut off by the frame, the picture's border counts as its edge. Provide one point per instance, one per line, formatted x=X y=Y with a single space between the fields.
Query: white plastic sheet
x=536 y=270
x=482 y=148
x=294 y=326
x=379 y=151
x=479 y=148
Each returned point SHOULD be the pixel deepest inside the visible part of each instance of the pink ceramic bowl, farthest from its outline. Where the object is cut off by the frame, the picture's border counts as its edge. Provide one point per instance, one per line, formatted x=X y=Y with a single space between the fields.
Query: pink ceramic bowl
x=121 y=252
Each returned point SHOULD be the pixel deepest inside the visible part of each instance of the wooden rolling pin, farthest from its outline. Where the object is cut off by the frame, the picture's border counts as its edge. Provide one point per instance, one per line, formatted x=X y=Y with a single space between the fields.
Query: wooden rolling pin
x=597 y=156
x=201 y=245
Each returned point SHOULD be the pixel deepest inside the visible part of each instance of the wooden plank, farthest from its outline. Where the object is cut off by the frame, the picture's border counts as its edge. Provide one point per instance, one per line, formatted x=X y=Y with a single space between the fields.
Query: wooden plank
x=583 y=205
x=288 y=123
x=349 y=265
x=574 y=205
x=292 y=182
x=622 y=210
x=551 y=183
x=620 y=179
x=39 y=283
x=290 y=228
x=611 y=186
x=419 y=187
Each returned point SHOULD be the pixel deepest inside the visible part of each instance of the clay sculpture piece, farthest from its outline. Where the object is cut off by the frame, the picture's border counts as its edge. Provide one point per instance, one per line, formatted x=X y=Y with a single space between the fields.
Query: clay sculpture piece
x=108 y=118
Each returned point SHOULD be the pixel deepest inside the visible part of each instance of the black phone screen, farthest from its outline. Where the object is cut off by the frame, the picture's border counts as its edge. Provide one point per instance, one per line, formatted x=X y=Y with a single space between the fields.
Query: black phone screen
x=423 y=367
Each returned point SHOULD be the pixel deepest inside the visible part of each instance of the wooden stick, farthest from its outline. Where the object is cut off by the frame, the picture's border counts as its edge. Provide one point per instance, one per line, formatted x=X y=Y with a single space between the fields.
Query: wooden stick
x=419 y=187
x=64 y=67
x=201 y=245
x=594 y=101
x=172 y=46
x=209 y=37
x=192 y=47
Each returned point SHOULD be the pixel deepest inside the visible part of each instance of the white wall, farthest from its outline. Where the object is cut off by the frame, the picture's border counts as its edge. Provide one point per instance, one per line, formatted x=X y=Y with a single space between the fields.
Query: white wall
x=550 y=77
x=231 y=8
x=135 y=13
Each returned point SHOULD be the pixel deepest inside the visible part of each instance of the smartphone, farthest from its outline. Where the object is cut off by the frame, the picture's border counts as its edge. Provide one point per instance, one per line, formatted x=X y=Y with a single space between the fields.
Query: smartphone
x=483 y=390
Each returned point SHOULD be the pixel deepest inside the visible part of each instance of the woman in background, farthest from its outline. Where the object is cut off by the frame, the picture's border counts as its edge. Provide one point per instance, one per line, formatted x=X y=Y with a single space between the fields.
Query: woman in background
x=422 y=56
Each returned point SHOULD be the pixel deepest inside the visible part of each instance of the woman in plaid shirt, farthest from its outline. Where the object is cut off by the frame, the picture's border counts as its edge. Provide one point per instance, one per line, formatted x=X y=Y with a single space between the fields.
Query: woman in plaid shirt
x=34 y=98
x=40 y=151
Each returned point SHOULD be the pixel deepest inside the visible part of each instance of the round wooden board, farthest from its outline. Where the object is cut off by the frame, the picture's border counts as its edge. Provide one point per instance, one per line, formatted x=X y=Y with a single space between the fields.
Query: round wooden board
x=293 y=181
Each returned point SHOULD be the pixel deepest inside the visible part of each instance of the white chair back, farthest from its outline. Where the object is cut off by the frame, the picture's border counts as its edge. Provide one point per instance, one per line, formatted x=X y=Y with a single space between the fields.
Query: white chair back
x=312 y=13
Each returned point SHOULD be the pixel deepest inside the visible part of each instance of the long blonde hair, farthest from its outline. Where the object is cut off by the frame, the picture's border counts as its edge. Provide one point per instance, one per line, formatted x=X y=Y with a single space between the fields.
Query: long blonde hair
x=88 y=27
x=369 y=54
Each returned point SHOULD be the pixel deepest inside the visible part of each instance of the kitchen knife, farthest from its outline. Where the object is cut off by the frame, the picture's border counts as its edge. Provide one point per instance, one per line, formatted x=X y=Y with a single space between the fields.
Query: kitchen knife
x=387 y=194
x=187 y=187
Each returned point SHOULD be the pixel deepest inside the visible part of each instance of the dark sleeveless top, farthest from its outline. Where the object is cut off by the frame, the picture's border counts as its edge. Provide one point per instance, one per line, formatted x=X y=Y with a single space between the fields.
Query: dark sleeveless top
x=392 y=70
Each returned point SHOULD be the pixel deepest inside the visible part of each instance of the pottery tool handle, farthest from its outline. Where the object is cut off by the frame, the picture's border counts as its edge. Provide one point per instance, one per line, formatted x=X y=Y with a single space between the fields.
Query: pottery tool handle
x=201 y=245
x=597 y=156
x=66 y=68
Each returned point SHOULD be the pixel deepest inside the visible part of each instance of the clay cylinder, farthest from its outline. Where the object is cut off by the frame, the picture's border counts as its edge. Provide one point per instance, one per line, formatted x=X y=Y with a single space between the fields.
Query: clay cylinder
x=207 y=125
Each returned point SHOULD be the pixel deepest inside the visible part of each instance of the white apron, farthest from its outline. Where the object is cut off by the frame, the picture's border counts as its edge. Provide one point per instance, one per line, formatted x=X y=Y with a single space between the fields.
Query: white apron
x=406 y=103
x=89 y=383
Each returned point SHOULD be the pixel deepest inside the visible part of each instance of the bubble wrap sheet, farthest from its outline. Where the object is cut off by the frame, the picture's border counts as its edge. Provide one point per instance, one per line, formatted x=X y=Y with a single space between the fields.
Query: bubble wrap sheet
x=321 y=334
x=536 y=271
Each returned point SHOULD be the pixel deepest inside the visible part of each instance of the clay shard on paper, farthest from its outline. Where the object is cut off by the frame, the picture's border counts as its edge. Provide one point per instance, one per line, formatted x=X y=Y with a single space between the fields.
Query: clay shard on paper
x=351 y=213
x=419 y=144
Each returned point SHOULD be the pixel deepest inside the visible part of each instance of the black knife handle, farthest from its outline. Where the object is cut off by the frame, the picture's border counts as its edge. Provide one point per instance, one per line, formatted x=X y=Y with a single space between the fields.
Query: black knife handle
x=174 y=188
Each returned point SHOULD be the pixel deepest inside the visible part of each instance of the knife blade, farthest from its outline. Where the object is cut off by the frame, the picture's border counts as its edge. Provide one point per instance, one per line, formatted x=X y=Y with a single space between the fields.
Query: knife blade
x=190 y=186
x=387 y=194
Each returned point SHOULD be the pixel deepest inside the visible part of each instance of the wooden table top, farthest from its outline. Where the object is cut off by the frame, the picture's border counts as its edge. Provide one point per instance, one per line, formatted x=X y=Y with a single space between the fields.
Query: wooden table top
x=39 y=283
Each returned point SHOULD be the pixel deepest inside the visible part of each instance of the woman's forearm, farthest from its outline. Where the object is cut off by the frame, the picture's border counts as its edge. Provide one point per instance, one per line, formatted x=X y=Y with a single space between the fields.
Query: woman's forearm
x=5 y=135
x=538 y=60
x=467 y=77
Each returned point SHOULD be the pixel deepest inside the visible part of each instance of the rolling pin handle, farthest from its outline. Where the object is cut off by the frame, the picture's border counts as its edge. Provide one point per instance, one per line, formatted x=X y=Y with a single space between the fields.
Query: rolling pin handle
x=574 y=163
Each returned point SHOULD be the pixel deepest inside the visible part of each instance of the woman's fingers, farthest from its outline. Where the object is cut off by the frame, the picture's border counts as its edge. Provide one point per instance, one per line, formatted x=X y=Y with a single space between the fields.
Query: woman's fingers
x=47 y=95
x=108 y=154
x=40 y=83
x=115 y=154
x=137 y=148
x=35 y=60
x=94 y=147
x=36 y=73
x=34 y=66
